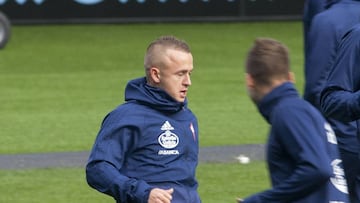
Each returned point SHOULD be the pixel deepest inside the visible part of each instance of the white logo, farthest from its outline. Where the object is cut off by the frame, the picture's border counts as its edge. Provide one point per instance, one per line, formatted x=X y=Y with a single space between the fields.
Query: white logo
x=168 y=139
x=92 y=2
x=330 y=134
x=88 y=2
x=21 y=2
x=168 y=152
x=167 y=126
x=338 y=180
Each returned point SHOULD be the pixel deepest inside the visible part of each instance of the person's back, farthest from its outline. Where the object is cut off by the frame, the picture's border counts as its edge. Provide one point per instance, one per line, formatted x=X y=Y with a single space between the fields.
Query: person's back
x=302 y=153
x=340 y=97
x=300 y=134
x=311 y=9
x=326 y=31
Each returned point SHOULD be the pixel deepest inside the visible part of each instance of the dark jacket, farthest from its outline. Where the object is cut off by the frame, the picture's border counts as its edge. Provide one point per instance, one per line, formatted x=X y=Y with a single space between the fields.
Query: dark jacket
x=341 y=96
x=311 y=8
x=302 y=153
x=149 y=141
x=328 y=27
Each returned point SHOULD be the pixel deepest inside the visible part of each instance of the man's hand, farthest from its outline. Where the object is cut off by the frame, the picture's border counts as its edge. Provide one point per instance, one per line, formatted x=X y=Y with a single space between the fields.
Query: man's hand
x=158 y=195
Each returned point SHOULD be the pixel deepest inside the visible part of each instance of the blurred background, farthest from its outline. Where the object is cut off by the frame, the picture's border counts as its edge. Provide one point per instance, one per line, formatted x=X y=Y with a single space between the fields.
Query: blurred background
x=109 y=11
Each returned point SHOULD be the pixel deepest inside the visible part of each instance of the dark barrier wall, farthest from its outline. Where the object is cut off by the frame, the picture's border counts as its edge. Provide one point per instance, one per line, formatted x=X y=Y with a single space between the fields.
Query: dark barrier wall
x=47 y=11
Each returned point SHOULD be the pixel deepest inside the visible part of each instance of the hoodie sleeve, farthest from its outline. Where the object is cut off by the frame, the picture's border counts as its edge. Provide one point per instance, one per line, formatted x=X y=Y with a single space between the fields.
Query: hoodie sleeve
x=106 y=159
x=323 y=39
x=300 y=140
x=341 y=97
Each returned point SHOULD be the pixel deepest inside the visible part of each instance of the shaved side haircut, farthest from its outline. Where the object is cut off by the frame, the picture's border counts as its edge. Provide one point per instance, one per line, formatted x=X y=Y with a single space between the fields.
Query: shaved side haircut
x=157 y=49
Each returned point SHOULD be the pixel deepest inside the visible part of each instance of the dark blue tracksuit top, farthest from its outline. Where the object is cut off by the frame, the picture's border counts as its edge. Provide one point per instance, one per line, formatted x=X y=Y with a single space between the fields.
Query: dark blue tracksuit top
x=311 y=8
x=341 y=96
x=149 y=141
x=325 y=33
x=327 y=29
x=302 y=153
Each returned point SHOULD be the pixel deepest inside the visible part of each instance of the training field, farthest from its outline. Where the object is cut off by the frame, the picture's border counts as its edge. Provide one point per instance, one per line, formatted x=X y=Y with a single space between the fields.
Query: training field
x=58 y=82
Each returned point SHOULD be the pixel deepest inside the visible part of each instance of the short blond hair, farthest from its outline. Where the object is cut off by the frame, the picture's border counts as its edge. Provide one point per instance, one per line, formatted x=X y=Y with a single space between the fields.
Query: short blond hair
x=159 y=46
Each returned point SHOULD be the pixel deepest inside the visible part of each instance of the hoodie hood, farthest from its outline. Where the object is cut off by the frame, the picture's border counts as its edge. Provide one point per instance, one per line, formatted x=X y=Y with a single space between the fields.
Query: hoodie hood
x=272 y=99
x=138 y=90
x=329 y=3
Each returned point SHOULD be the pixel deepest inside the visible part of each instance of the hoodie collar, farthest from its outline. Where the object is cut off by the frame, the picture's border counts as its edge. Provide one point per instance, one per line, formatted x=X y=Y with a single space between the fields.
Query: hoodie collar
x=330 y=3
x=270 y=101
x=138 y=90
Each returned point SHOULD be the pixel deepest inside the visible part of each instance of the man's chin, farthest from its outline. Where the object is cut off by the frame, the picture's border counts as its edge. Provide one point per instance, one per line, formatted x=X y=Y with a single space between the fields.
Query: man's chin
x=181 y=99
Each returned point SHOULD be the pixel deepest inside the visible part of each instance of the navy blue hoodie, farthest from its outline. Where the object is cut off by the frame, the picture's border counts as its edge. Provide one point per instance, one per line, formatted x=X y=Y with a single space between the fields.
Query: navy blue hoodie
x=341 y=96
x=302 y=153
x=311 y=9
x=326 y=31
x=149 y=141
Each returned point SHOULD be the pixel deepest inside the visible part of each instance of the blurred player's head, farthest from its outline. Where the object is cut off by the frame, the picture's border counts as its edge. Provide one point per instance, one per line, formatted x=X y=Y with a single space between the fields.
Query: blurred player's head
x=267 y=66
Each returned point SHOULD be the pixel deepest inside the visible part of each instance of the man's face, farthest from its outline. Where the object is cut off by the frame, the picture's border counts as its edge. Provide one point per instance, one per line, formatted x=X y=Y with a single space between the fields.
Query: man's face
x=175 y=75
x=251 y=88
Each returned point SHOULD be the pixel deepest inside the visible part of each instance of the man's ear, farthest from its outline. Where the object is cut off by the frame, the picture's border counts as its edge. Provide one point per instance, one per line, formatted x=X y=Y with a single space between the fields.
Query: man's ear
x=291 y=77
x=155 y=74
x=250 y=83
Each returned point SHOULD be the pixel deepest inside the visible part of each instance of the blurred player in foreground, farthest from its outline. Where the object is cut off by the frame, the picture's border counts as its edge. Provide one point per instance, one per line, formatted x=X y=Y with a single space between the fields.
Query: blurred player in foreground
x=326 y=32
x=302 y=153
x=340 y=98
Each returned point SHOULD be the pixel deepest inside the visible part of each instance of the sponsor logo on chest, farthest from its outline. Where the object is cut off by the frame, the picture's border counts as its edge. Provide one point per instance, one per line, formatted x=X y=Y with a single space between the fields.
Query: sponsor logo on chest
x=168 y=140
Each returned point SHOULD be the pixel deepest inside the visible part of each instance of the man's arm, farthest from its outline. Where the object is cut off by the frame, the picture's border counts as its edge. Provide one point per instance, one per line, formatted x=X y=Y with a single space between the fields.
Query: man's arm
x=302 y=142
x=340 y=98
x=112 y=144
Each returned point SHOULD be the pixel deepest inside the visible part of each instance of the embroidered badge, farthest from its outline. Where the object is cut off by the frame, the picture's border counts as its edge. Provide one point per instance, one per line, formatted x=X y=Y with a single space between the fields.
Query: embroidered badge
x=168 y=140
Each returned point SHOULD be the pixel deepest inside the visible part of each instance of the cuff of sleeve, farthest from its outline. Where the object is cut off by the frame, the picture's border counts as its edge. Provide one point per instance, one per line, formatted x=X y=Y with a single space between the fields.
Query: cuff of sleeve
x=139 y=191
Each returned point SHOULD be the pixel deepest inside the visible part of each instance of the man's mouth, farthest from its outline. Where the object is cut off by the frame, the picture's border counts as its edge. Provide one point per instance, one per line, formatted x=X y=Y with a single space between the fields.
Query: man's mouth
x=183 y=93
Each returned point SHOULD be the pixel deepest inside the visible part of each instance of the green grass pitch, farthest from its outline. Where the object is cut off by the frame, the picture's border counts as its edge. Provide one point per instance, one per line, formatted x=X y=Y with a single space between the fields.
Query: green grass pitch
x=57 y=82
